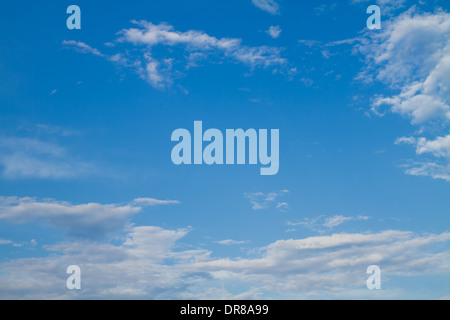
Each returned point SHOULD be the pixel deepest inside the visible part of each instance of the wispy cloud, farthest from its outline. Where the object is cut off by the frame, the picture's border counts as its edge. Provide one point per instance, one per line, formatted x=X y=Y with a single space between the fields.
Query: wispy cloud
x=270 y=6
x=230 y=242
x=82 y=47
x=261 y=201
x=428 y=169
x=338 y=220
x=438 y=148
x=6 y=242
x=309 y=43
x=322 y=223
x=282 y=206
x=42 y=128
x=161 y=68
x=47 y=130
x=154 y=202
x=34 y=158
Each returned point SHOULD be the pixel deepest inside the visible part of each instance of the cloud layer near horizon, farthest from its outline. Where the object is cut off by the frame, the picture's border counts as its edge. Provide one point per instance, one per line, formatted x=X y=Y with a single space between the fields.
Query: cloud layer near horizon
x=151 y=264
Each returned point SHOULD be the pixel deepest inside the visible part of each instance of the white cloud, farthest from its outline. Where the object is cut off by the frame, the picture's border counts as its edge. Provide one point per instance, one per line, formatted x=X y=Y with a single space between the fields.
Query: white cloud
x=155 y=75
x=283 y=206
x=335 y=261
x=161 y=68
x=82 y=47
x=153 y=243
x=270 y=6
x=412 y=55
x=6 y=242
x=133 y=269
x=262 y=56
x=336 y=221
x=90 y=220
x=420 y=108
x=428 y=169
x=230 y=242
x=319 y=223
x=14 y=244
x=150 y=264
x=274 y=31
x=406 y=140
x=154 y=202
x=311 y=224
x=194 y=41
x=261 y=201
x=439 y=147
x=150 y=34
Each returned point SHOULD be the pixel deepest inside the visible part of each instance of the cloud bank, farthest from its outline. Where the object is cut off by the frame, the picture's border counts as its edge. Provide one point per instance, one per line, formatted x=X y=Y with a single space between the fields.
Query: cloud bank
x=151 y=264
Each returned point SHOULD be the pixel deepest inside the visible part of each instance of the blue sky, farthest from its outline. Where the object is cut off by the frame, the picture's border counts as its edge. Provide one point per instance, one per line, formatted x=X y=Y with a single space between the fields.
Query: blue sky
x=86 y=176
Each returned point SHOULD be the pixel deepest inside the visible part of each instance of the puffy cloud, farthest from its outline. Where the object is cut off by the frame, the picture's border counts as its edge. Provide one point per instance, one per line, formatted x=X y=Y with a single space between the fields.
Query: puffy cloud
x=274 y=31
x=439 y=147
x=412 y=55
